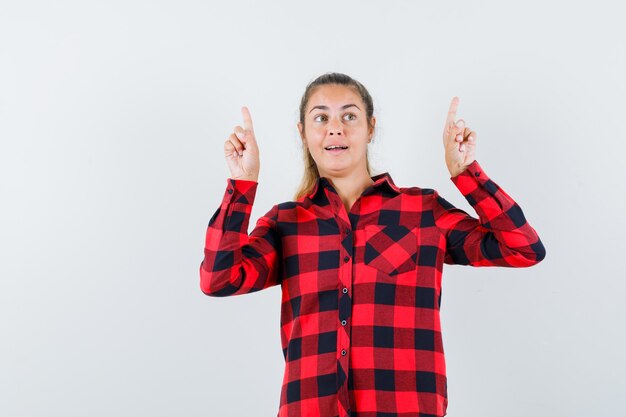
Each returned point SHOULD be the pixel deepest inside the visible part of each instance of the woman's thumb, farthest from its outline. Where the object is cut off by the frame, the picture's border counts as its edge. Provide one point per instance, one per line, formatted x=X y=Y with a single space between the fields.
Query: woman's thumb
x=241 y=136
x=248 y=139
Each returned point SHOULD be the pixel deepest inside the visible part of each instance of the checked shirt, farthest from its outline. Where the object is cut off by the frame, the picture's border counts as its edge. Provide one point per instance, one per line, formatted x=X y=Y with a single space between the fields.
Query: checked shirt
x=361 y=290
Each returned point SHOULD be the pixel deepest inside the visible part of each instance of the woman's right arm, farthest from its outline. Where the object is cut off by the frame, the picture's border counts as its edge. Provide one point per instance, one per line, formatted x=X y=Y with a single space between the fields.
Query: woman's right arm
x=234 y=262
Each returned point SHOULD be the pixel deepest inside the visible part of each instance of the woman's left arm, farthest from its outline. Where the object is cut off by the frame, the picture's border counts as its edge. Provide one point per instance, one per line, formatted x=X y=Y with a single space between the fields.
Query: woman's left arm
x=500 y=237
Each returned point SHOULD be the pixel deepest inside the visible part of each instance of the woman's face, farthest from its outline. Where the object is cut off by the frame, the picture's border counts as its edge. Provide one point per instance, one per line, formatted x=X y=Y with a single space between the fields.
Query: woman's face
x=335 y=115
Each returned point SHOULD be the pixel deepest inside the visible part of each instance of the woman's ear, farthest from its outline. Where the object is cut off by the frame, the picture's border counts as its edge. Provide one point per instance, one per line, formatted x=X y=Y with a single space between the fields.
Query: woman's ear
x=300 y=130
x=373 y=125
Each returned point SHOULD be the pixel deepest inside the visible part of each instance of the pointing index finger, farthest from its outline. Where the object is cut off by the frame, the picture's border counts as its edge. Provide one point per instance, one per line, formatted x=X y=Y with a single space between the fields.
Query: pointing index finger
x=454 y=104
x=247 y=119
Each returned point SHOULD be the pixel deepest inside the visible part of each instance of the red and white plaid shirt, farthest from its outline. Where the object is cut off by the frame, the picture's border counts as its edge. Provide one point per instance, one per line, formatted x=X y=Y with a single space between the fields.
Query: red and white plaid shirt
x=361 y=290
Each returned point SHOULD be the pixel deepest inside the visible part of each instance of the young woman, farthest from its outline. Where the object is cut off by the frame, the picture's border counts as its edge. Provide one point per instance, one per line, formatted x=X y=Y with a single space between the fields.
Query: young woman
x=358 y=258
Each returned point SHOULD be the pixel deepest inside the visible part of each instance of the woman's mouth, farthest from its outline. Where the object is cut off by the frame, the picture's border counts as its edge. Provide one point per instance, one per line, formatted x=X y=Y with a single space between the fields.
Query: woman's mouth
x=336 y=149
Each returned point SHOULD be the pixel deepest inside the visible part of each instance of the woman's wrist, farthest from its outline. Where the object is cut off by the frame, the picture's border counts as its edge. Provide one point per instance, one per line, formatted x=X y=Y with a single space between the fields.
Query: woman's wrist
x=247 y=178
x=454 y=173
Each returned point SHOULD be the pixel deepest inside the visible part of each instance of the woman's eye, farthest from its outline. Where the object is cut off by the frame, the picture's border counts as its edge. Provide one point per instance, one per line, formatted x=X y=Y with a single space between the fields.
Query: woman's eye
x=348 y=116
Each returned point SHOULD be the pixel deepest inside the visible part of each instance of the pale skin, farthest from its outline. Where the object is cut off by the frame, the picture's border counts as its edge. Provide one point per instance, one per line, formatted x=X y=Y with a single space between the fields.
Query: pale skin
x=348 y=126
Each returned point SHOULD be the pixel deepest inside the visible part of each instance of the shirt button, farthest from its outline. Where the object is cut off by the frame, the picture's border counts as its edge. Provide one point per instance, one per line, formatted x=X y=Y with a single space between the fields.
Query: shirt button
x=343 y=322
x=345 y=290
x=346 y=259
x=477 y=174
x=230 y=191
x=343 y=352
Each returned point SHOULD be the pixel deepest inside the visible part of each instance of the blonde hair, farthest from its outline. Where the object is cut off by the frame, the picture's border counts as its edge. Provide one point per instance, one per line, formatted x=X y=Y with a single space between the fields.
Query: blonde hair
x=311 y=173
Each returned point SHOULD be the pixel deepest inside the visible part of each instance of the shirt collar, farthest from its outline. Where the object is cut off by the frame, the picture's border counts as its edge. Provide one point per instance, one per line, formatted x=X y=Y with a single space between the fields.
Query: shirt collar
x=381 y=181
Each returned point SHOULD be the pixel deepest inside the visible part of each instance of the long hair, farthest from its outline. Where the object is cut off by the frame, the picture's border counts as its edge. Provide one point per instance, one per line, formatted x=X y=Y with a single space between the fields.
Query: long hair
x=311 y=173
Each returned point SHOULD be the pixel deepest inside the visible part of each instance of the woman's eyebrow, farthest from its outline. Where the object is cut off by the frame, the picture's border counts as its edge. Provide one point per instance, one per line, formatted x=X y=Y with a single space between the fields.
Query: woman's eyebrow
x=345 y=106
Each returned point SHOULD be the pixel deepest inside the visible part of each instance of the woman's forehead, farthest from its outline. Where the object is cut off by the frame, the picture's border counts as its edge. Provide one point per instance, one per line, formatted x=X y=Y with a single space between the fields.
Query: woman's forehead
x=334 y=96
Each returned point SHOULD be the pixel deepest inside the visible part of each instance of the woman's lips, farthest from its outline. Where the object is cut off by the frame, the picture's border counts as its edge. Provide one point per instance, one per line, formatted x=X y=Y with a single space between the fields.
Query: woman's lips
x=336 y=150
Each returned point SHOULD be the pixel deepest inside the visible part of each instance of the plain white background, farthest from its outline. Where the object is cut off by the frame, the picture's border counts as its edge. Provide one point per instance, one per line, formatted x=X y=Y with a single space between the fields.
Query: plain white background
x=113 y=116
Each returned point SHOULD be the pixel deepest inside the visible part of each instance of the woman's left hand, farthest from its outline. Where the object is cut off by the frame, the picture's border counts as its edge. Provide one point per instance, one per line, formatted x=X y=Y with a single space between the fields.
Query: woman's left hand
x=459 y=141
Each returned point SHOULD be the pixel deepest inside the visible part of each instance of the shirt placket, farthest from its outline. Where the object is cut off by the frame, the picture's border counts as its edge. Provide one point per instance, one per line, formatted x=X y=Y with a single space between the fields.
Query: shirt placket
x=344 y=303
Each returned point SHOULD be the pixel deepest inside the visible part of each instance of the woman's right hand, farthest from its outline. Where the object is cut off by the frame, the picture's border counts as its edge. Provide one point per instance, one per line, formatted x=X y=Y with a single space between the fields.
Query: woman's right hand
x=241 y=150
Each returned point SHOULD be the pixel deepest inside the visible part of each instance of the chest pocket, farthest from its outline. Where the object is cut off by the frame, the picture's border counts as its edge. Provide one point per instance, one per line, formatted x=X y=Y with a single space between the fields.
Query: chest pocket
x=390 y=248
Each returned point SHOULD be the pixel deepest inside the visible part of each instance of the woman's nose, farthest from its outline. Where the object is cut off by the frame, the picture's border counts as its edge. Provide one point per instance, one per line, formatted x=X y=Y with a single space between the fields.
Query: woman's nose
x=335 y=127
